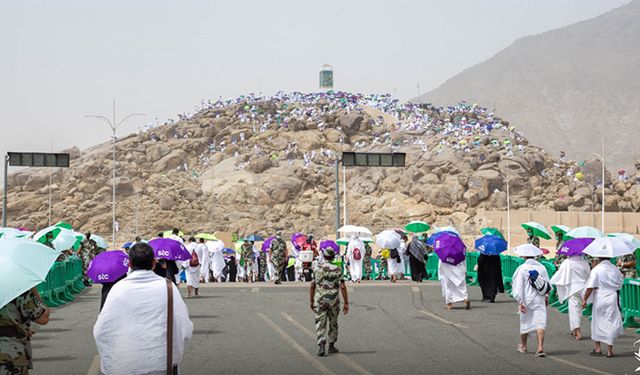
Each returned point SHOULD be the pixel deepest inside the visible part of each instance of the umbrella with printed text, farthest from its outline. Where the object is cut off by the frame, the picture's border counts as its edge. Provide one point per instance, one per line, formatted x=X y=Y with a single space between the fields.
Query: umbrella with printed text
x=574 y=246
x=108 y=266
x=609 y=247
x=627 y=237
x=491 y=245
x=167 y=248
x=450 y=249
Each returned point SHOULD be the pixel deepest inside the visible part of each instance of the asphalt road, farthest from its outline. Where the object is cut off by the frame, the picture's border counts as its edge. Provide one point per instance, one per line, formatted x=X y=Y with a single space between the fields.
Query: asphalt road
x=391 y=329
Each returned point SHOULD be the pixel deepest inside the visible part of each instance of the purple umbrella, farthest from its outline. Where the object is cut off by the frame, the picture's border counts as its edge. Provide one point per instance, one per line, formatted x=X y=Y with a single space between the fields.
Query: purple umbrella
x=166 y=248
x=266 y=244
x=330 y=244
x=108 y=266
x=574 y=247
x=294 y=238
x=450 y=248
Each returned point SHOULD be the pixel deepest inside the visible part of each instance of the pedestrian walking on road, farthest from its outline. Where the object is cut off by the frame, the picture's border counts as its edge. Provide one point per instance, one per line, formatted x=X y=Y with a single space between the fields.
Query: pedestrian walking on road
x=132 y=330
x=278 y=250
x=324 y=297
x=490 y=276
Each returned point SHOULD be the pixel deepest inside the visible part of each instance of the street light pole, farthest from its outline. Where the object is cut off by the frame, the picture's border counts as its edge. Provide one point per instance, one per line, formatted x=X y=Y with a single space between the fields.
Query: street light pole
x=114 y=127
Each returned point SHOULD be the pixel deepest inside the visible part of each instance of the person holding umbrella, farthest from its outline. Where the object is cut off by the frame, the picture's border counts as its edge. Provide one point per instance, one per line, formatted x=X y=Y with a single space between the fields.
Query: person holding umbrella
x=603 y=287
x=452 y=269
x=417 y=251
x=24 y=263
x=490 y=266
x=570 y=280
x=531 y=289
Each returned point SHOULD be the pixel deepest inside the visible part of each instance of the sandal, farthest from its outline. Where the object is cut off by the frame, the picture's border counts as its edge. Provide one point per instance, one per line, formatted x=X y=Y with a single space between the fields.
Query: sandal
x=610 y=355
x=521 y=349
x=595 y=354
x=541 y=354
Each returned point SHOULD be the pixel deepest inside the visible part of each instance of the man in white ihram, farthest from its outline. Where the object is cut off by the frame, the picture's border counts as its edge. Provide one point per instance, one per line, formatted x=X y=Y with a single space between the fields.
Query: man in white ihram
x=131 y=330
x=355 y=251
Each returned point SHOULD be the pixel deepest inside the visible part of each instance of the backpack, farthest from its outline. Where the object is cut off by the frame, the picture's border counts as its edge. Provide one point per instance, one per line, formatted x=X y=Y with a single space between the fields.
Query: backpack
x=393 y=254
x=356 y=254
x=540 y=285
x=194 y=261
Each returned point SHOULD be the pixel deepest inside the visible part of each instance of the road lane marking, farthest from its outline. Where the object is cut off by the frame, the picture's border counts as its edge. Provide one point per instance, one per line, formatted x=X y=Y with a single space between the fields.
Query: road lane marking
x=415 y=289
x=441 y=319
x=581 y=367
x=322 y=368
x=255 y=290
x=94 y=369
x=345 y=359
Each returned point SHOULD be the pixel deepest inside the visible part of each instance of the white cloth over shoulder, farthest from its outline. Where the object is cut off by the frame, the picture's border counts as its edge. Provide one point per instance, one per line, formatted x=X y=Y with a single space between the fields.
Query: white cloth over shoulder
x=205 y=262
x=535 y=317
x=193 y=273
x=217 y=262
x=131 y=330
x=606 y=320
x=453 y=280
x=571 y=277
x=393 y=266
x=355 y=266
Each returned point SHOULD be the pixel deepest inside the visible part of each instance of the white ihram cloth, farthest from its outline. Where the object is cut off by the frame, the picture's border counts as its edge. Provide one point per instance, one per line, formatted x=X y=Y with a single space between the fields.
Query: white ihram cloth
x=570 y=281
x=205 y=261
x=355 y=266
x=131 y=330
x=393 y=267
x=606 y=321
x=193 y=273
x=453 y=280
x=217 y=262
x=535 y=317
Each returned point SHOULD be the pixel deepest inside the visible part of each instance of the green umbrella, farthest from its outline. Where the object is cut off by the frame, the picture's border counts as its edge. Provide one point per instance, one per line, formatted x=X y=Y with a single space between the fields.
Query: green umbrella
x=342 y=241
x=584 y=232
x=489 y=231
x=417 y=226
x=560 y=229
x=63 y=239
x=24 y=264
x=64 y=225
x=206 y=236
x=79 y=238
x=538 y=229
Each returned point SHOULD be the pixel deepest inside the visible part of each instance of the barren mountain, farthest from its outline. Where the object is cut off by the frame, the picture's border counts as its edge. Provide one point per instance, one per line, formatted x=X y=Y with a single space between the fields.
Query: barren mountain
x=258 y=164
x=565 y=88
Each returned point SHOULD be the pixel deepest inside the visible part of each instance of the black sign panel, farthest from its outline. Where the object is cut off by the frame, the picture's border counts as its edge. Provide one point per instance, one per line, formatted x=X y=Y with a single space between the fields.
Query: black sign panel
x=38 y=159
x=373 y=159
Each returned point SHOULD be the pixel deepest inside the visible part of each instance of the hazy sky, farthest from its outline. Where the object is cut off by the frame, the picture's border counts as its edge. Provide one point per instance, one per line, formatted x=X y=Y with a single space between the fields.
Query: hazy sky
x=64 y=59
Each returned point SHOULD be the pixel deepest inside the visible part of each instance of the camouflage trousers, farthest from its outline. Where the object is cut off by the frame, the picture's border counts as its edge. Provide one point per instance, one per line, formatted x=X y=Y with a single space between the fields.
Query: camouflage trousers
x=14 y=358
x=367 y=267
x=248 y=270
x=327 y=324
x=262 y=270
x=382 y=271
x=11 y=369
x=278 y=265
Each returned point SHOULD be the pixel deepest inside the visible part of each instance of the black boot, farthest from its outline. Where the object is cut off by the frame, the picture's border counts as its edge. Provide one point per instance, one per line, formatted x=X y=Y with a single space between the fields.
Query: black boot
x=321 y=351
x=333 y=349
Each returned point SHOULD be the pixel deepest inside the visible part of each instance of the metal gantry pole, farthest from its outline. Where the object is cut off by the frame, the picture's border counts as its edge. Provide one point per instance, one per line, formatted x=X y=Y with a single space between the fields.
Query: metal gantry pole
x=344 y=190
x=602 y=218
x=4 y=198
x=337 y=197
x=508 y=213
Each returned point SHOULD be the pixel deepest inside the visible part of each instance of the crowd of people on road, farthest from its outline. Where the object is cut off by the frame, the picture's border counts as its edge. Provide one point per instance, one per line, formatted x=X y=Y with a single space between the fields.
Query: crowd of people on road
x=158 y=310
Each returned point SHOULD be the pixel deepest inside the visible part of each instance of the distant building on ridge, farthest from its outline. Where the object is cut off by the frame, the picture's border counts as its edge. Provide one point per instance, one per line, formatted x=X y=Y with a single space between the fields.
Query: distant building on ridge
x=326 y=78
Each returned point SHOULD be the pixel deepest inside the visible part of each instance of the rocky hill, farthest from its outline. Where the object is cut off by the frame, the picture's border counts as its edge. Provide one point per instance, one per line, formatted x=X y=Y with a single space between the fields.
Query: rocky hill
x=254 y=164
x=565 y=88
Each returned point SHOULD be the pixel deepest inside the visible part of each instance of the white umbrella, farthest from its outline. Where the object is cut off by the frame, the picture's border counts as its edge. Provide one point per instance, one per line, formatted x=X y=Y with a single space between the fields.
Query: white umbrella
x=348 y=229
x=388 y=239
x=627 y=237
x=6 y=233
x=101 y=243
x=527 y=250
x=608 y=247
x=584 y=232
x=64 y=239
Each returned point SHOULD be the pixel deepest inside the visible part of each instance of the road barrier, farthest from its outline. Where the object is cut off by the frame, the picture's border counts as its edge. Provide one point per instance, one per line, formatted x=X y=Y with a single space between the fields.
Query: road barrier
x=62 y=282
x=472 y=268
x=630 y=302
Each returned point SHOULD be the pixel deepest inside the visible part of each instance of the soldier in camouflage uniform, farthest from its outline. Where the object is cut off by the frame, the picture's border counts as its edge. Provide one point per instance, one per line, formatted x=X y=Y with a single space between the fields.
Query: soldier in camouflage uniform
x=367 y=261
x=15 y=332
x=627 y=265
x=382 y=268
x=559 y=257
x=278 y=249
x=262 y=270
x=246 y=254
x=325 y=301
x=533 y=239
x=88 y=250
